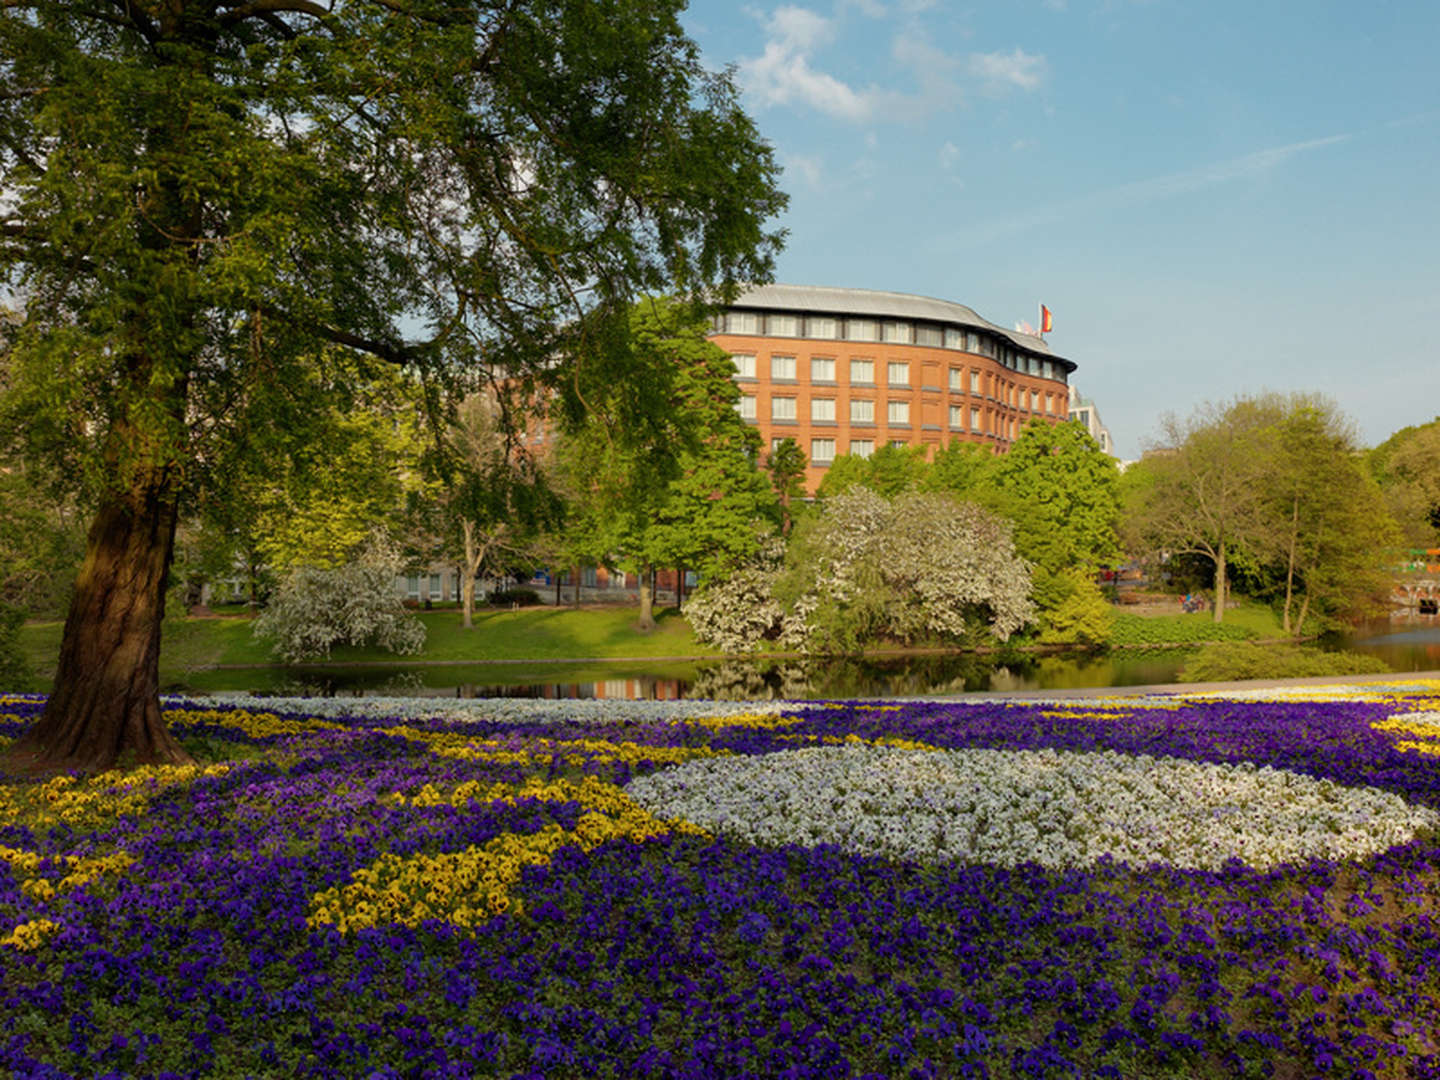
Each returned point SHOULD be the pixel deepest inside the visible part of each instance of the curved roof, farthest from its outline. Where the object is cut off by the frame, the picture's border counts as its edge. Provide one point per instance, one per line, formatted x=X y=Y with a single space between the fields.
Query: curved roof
x=878 y=304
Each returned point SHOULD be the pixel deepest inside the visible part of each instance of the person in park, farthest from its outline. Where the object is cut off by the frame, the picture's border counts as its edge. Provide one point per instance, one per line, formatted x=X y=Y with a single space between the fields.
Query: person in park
x=208 y=199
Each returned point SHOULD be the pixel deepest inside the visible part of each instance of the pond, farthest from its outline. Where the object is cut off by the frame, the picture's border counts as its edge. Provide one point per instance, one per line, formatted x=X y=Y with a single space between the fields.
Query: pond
x=1412 y=646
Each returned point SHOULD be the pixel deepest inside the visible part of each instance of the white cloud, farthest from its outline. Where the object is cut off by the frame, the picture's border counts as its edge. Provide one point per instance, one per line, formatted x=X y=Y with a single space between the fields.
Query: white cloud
x=1000 y=71
x=865 y=7
x=949 y=155
x=807 y=166
x=782 y=74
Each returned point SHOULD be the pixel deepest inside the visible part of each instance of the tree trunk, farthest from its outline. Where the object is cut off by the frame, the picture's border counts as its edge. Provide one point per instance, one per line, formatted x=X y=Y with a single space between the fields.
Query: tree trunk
x=647 y=598
x=467 y=579
x=576 y=593
x=1304 y=610
x=1290 y=562
x=105 y=706
x=1220 y=584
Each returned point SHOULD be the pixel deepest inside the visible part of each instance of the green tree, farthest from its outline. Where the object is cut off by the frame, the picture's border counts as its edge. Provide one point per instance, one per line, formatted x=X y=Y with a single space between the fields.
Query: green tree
x=1328 y=522
x=667 y=477
x=786 y=466
x=964 y=469
x=846 y=471
x=203 y=196
x=1061 y=491
x=1407 y=468
x=1206 y=493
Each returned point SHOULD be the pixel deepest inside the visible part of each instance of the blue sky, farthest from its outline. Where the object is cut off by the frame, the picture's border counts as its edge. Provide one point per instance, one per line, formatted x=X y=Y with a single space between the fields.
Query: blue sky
x=1213 y=197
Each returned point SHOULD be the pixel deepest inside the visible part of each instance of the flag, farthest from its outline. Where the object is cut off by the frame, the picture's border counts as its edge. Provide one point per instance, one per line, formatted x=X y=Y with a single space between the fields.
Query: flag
x=1046 y=319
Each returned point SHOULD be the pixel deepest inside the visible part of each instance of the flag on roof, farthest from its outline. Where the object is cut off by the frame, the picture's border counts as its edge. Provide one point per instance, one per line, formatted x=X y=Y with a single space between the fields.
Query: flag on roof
x=1046 y=319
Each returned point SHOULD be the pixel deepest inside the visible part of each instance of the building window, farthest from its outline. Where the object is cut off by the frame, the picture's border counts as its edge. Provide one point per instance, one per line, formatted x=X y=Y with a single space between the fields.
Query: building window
x=822 y=409
x=986 y=346
x=929 y=335
x=588 y=577
x=862 y=371
x=822 y=450
x=1047 y=370
x=746 y=406
x=1034 y=400
x=782 y=325
x=957 y=416
x=782 y=367
x=435 y=593
x=898 y=412
x=862 y=412
x=954 y=339
x=862 y=447
x=412 y=586
x=742 y=322
x=744 y=365
x=1050 y=404
x=897 y=333
x=956 y=375
x=821 y=327
x=898 y=444
x=777 y=440
x=974 y=381
x=860 y=330
x=897 y=373
x=782 y=408
x=822 y=369
x=974 y=419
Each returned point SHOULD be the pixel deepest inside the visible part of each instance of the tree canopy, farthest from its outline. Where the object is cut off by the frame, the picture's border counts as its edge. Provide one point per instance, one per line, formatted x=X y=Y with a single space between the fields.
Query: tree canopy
x=206 y=197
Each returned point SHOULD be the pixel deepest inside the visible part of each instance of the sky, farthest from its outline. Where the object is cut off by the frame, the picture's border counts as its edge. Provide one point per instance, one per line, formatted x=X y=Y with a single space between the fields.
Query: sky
x=1214 y=198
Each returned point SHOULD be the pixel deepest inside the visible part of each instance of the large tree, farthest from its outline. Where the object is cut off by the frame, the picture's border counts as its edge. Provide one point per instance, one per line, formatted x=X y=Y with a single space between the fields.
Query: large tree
x=668 y=476
x=1207 y=491
x=203 y=195
x=1407 y=467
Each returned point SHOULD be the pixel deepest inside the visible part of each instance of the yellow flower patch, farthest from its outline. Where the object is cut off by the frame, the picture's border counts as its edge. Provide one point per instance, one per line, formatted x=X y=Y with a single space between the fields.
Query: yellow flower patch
x=467 y=887
x=94 y=802
x=27 y=864
x=574 y=752
x=257 y=725
x=29 y=936
x=760 y=721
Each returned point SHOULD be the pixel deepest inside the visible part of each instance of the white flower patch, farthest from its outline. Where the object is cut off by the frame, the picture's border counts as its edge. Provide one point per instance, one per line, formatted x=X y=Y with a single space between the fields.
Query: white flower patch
x=1056 y=808
x=485 y=710
x=1426 y=722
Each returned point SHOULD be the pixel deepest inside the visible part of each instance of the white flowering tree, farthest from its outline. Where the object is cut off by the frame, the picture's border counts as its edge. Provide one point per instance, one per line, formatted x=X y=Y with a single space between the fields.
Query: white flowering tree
x=924 y=567
x=316 y=609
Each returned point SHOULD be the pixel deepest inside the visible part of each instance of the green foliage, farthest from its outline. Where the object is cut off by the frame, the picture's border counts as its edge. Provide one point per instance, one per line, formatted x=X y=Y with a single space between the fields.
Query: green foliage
x=1131 y=629
x=738 y=612
x=316 y=609
x=964 y=469
x=511 y=597
x=1061 y=490
x=1238 y=660
x=14 y=669
x=1073 y=610
x=846 y=471
x=1407 y=468
x=668 y=479
x=786 y=465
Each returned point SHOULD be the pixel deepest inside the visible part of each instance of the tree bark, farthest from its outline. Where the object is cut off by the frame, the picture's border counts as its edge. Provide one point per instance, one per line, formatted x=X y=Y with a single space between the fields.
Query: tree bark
x=1220 y=583
x=105 y=707
x=647 y=598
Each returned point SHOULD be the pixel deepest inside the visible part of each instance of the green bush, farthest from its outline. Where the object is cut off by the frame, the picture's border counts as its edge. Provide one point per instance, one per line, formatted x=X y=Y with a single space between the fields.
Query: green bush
x=1073 y=610
x=1131 y=629
x=1245 y=660
x=14 y=671
x=509 y=597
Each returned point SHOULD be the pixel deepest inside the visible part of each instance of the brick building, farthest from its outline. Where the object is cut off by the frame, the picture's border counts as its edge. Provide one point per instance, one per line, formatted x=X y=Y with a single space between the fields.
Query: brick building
x=851 y=370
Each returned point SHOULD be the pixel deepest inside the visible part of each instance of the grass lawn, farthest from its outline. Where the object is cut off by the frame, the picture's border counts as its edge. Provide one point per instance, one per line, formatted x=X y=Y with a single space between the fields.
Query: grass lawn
x=928 y=889
x=192 y=645
x=1245 y=621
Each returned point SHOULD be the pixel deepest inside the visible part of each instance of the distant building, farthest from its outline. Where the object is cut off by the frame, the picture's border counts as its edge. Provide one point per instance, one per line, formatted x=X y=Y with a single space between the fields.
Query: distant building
x=1084 y=412
x=851 y=370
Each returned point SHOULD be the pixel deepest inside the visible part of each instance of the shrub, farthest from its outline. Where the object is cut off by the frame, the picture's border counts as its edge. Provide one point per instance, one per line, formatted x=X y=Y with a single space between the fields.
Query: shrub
x=356 y=604
x=1074 y=611
x=1130 y=629
x=14 y=671
x=1247 y=660
x=509 y=597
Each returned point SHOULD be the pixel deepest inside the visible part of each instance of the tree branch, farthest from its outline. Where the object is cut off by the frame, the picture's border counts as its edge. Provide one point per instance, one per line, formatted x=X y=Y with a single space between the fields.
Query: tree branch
x=275 y=7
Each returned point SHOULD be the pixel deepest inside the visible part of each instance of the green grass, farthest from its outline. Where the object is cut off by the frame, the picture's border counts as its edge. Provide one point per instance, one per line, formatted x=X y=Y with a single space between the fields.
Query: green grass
x=192 y=648
x=1246 y=621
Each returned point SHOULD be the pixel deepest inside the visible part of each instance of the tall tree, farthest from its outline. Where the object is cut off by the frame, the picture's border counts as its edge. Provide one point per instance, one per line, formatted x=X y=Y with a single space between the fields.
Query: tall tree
x=1407 y=467
x=1061 y=490
x=786 y=466
x=668 y=476
x=203 y=194
x=1207 y=491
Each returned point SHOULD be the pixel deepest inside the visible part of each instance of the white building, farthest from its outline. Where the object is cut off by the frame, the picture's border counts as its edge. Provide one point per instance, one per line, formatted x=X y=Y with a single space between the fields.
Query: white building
x=1084 y=412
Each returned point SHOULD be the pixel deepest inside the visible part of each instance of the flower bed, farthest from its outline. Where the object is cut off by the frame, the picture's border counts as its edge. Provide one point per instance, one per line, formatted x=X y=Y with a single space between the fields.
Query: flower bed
x=1122 y=887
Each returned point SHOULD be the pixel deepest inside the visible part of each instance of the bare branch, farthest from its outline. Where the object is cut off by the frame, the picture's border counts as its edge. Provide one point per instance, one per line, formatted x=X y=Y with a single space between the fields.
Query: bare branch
x=262 y=8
